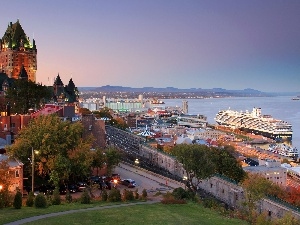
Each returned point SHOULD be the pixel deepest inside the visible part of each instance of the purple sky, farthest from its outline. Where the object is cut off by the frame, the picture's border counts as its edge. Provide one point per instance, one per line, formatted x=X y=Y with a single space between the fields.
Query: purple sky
x=231 y=44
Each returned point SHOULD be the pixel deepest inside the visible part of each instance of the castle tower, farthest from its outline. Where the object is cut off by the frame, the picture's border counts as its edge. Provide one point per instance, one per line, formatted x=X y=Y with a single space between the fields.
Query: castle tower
x=17 y=53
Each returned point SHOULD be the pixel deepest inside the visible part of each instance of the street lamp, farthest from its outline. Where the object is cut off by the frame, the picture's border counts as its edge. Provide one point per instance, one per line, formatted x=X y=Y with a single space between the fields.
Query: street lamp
x=136 y=162
x=1 y=187
x=32 y=168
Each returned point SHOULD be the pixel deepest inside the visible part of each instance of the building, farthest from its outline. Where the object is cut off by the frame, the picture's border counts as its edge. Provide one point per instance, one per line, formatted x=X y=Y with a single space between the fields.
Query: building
x=15 y=172
x=271 y=170
x=185 y=107
x=17 y=53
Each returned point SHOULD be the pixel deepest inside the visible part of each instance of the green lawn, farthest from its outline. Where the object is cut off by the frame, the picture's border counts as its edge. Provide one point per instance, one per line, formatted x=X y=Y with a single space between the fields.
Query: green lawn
x=158 y=213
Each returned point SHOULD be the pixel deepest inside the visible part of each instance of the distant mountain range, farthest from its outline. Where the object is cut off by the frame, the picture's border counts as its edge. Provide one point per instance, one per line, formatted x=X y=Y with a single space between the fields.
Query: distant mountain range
x=109 y=88
x=248 y=91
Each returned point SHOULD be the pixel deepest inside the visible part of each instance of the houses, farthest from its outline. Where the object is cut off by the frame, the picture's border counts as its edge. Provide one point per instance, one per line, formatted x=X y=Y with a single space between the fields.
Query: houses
x=11 y=176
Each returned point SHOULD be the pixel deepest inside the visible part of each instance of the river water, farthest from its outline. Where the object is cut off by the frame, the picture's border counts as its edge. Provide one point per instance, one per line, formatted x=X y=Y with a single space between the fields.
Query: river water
x=281 y=107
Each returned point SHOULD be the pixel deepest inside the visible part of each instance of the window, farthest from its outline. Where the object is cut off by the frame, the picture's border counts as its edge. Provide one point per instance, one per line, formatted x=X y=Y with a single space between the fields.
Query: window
x=17 y=173
x=13 y=125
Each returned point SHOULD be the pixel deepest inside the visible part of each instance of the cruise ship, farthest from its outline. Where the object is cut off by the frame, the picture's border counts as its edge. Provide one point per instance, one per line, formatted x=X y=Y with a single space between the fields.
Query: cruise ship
x=255 y=122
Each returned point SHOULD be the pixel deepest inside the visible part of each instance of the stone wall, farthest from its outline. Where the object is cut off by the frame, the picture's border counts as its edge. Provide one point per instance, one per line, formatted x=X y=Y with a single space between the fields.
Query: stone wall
x=220 y=187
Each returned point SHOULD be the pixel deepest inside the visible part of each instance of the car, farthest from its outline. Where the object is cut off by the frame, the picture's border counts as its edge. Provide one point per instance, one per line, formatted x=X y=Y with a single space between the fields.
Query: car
x=104 y=185
x=81 y=185
x=62 y=189
x=129 y=183
x=73 y=188
x=46 y=189
x=94 y=180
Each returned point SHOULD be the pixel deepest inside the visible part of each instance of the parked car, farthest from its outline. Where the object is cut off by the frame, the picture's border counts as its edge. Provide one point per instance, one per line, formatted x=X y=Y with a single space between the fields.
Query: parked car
x=81 y=185
x=95 y=179
x=129 y=183
x=62 y=189
x=46 y=189
x=73 y=188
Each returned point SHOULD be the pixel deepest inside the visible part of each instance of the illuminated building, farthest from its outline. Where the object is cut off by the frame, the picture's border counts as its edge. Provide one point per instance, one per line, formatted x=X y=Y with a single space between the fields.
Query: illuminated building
x=17 y=53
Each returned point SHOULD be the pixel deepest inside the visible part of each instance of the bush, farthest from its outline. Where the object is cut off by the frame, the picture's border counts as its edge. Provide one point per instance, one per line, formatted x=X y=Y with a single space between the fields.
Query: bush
x=104 y=195
x=144 y=194
x=56 y=197
x=30 y=199
x=128 y=195
x=210 y=203
x=85 y=197
x=114 y=195
x=40 y=201
x=68 y=197
x=169 y=198
x=136 y=194
x=180 y=193
x=18 y=200
x=5 y=198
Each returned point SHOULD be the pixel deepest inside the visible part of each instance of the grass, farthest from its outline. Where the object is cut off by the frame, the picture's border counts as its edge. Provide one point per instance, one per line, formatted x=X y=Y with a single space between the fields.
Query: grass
x=158 y=213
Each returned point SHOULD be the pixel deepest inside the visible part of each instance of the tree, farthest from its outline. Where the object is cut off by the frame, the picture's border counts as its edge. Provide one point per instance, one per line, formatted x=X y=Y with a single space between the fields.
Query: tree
x=255 y=188
x=99 y=159
x=113 y=158
x=59 y=145
x=25 y=94
x=197 y=160
x=227 y=165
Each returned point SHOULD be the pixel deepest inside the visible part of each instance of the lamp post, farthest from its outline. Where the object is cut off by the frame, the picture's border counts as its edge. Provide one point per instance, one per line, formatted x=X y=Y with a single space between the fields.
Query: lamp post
x=32 y=169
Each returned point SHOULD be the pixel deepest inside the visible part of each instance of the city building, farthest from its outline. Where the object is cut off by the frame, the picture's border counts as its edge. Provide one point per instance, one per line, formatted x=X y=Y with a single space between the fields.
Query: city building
x=271 y=170
x=17 y=53
x=15 y=172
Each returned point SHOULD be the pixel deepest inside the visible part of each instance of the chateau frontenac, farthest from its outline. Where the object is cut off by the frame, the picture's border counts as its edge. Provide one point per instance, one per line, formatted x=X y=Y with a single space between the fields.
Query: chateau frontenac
x=17 y=53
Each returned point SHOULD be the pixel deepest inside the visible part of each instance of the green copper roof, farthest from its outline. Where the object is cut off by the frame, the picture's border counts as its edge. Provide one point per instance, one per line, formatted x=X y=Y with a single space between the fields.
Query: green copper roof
x=15 y=36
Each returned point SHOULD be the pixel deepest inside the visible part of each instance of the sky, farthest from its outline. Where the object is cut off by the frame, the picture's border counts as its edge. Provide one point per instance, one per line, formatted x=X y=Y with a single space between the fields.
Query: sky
x=230 y=44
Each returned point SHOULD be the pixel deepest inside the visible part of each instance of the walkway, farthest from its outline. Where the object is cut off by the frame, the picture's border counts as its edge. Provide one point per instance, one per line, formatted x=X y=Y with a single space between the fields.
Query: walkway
x=34 y=218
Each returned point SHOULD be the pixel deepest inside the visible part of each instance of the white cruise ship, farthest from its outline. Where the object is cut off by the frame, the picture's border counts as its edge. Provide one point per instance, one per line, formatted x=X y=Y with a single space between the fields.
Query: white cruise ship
x=255 y=122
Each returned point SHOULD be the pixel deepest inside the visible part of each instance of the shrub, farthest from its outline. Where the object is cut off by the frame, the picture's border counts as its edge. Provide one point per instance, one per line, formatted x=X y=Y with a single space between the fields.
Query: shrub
x=30 y=199
x=168 y=198
x=68 y=197
x=210 y=203
x=85 y=197
x=49 y=199
x=136 y=194
x=114 y=195
x=128 y=195
x=18 y=200
x=5 y=198
x=144 y=194
x=56 y=197
x=104 y=195
x=180 y=193
x=40 y=201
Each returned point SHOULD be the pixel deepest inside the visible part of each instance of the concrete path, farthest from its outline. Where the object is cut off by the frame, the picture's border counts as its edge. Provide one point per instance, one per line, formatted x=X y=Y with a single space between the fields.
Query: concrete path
x=34 y=218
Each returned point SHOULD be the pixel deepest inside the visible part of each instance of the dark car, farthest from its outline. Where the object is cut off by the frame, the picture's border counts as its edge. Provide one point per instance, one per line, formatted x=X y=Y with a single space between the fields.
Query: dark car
x=129 y=183
x=104 y=185
x=95 y=179
x=73 y=188
x=46 y=189
x=62 y=189
x=81 y=185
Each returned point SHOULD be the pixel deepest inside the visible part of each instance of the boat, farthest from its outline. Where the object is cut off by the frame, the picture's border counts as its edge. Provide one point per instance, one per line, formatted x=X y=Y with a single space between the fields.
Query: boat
x=296 y=98
x=156 y=101
x=284 y=150
x=256 y=123
x=192 y=121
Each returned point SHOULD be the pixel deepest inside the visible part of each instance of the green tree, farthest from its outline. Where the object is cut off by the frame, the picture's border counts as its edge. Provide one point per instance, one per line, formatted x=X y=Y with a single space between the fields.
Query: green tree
x=113 y=158
x=18 y=200
x=25 y=94
x=255 y=188
x=197 y=160
x=227 y=165
x=55 y=141
x=99 y=158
